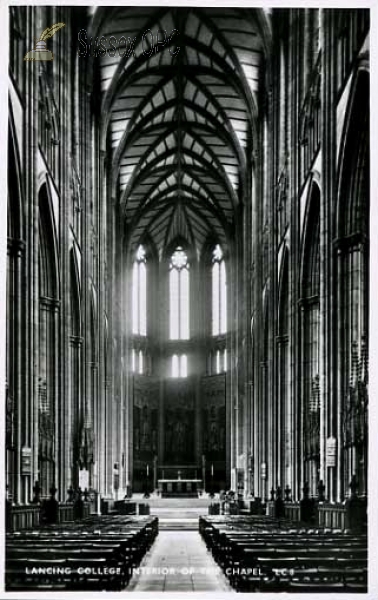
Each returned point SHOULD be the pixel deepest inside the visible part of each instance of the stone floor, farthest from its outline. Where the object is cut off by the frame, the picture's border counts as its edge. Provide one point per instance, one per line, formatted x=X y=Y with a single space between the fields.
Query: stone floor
x=178 y=562
x=176 y=513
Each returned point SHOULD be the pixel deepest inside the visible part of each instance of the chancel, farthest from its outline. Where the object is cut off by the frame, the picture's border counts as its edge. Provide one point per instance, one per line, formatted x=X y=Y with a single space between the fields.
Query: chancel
x=187 y=296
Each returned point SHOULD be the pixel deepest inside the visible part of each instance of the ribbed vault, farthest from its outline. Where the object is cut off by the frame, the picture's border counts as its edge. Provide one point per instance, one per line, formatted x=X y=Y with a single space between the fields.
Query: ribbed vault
x=179 y=118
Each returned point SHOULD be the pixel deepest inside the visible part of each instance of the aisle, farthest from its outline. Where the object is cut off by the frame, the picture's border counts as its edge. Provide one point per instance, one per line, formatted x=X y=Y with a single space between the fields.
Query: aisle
x=179 y=562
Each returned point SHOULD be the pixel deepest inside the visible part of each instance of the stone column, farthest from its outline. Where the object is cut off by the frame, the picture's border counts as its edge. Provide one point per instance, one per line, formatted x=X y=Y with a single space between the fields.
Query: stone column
x=248 y=484
x=303 y=476
x=161 y=419
x=261 y=428
x=55 y=310
x=107 y=439
x=197 y=357
x=283 y=421
x=75 y=412
x=18 y=355
x=198 y=411
x=340 y=375
x=328 y=309
x=92 y=400
x=101 y=219
x=30 y=412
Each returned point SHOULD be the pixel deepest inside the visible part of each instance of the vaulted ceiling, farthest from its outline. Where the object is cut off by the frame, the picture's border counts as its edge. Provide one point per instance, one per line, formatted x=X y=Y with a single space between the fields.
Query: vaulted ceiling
x=178 y=122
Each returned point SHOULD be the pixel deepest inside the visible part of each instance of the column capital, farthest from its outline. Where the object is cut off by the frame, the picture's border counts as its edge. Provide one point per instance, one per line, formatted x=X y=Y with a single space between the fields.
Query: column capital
x=282 y=340
x=16 y=246
x=304 y=303
x=49 y=303
x=343 y=244
x=76 y=340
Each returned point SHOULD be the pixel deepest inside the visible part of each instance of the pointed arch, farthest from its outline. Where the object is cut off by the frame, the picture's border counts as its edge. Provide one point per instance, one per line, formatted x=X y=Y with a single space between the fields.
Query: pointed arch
x=352 y=215
x=219 y=292
x=282 y=420
x=48 y=339
x=139 y=291
x=15 y=212
x=48 y=246
x=309 y=268
x=263 y=409
x=352 y=260
x=283 y=291
x=93 y=325
x=310 y=363
x=75 y=296
x=214 y=269
x=14 y=330
x=148 y=243
x=179 y=293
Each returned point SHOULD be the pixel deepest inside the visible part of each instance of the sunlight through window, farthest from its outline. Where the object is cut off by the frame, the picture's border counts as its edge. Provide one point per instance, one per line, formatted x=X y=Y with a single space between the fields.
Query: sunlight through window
x=179 y=296
x=219 y=293
x=139 y=294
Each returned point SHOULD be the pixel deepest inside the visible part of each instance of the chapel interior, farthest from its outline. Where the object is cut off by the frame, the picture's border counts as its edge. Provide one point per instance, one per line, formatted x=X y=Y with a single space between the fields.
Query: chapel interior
x=187 y=296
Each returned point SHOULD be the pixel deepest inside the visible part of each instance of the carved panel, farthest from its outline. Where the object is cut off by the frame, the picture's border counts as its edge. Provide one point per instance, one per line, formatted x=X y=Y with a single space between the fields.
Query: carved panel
x=214 y=417
x=9 y=421
x=312 y=421
x=179 y=422
x=355 y=413
x=146 y=404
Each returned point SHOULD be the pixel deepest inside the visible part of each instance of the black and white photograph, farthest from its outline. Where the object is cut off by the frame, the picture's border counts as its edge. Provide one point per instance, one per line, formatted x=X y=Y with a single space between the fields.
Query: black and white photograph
x=187 y=299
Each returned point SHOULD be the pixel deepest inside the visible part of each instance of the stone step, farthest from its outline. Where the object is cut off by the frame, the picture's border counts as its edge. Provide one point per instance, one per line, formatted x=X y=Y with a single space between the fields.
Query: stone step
x=192 y=503
x=178 y=524
x=178 y=514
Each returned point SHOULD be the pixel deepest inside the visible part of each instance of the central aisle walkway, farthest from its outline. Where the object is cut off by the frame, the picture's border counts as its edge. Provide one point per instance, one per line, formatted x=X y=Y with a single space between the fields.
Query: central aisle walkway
x=178 y=562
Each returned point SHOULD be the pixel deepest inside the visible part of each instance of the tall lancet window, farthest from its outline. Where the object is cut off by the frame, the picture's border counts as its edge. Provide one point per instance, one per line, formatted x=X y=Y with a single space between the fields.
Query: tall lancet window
x=140 y=293
x=179 y=365
x=219 y=292
x=179 y=295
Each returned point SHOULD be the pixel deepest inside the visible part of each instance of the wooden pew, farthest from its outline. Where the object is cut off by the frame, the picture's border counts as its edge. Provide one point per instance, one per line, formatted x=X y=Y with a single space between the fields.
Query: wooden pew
x=98 y=555
x=266 y=558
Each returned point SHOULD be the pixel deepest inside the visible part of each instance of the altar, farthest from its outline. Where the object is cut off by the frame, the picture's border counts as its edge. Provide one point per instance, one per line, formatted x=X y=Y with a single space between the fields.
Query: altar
x=179 y=487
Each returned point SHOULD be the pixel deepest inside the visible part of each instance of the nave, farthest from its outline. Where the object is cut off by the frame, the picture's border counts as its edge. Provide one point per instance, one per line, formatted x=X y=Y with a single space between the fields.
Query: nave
x=187 y=292
x=179 y=562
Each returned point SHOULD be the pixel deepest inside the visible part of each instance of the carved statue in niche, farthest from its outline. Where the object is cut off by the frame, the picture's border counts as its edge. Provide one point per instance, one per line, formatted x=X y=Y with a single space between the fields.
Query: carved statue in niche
x=154 y=440
x=214 y=426
x=178 y=442
x=356 y=401
x=213 y=435
x=169 y=433
x=145 y=429
x=180 y=434
x=136 y=428
x=221 y=427
x=213 y=442
x=154 y=426
x=9 y=420
x=312 y=421
x=204 y=428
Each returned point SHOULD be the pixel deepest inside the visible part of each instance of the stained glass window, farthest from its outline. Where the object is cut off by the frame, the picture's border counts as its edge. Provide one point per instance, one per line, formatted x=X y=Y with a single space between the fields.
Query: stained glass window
x=139 y=300
x=219 y=292
x=179 y=295
x=179 y=365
